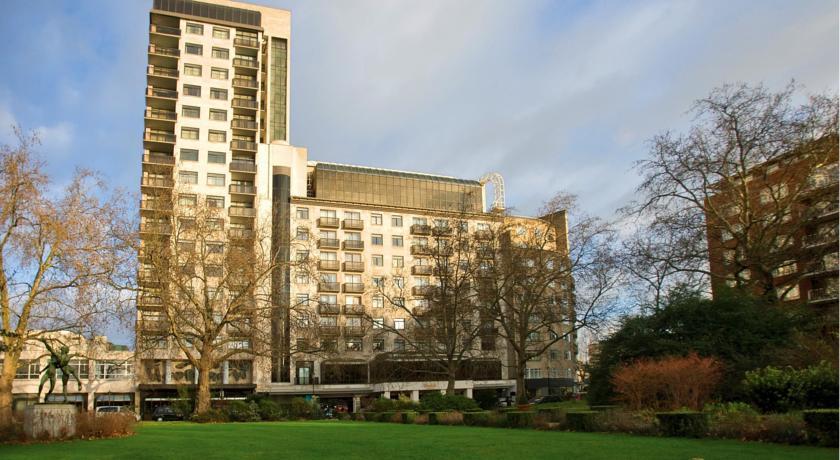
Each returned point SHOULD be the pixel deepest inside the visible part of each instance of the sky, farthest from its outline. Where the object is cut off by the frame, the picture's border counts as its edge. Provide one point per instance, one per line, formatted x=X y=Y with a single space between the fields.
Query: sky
x=554 y=95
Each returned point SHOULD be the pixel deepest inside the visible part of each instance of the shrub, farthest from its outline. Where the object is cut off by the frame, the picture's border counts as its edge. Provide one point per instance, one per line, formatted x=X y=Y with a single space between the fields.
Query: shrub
x=383 y=405
x=184 y=405
x=782 y=428
x=438 y=402
x=486 y=399
x=668 y=383
x=90 y=425
x=734 y=420
x=243 y=411
x=450 y=418
x=619 y=421
x=211 y=416
x=773 y=389
x=822 y=425
x=268 y=409
x=520 y=419
x=301 y=408
x=603 y=407
x=477 y=418
x=552 y=414
x=683 y=424
x=582 y=421
x=345 y=416
x=407 y=417
x=422 y=419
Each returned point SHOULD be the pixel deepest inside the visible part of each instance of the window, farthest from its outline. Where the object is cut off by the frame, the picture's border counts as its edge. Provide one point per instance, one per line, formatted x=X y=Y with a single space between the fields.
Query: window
x=397 y=262
x=301 y=278
x=220 y=53
x=302 y=213
x=113 y=370
x=786 y=269
x=216 y=136
x=215 y=248
x=399 y=324
x=189 y=155
x=553 y=355
x=399 y=302
x=192 y=48
x=396 y=221
x=397 y=241
x=729 y=256
x=186 y=200
x=399 y=345
x=195 y=29
x=215 y=201
x=221 y=33
x=532 y=373
x=376 y=240
x=378 y=281
x=28 y=369
x=353 y=344
x=377 y=260
x=378 y=302
x=216 y=179
x=378 y=345
x=533 y=336
x=190 y=111
x=376 y=219
x=302 y=234
x=80 y=365
x=192 y=70
x=218 y=115
x=378 y=323
x=189 y=134
x=399 y=282
x=192 y=90
x=567 y=355
x=187 y=177
x=219 y=94
x=789 y=292
x=216 y=157
x=218 y=74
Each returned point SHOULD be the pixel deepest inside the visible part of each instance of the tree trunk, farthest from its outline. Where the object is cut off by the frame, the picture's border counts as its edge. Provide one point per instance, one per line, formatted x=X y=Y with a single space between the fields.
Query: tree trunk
x=6 y=380
x=521 y=390
x=202 y=397
x=450 y=380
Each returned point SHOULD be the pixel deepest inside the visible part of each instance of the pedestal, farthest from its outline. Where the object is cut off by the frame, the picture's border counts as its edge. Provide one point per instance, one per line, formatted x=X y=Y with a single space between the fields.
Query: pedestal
x=49 y=421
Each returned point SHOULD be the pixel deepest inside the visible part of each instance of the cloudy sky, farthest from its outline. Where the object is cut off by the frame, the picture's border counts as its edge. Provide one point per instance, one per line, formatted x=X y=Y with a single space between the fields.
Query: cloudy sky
x=554 y=95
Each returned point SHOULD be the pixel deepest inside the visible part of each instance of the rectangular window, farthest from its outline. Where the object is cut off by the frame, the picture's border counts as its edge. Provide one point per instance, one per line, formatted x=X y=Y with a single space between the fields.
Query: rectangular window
x=376 y=219
x=28 y=369
x=378 y=345
x=215 y=202
x=216 y=136
x=186 y=200
x=190 y=112
x=397 y=241
x=220 y=53
x=219 y=94
x=216 y=179
x=192 y=90
x=192 y=70
x=189 y=155
x=216 y=157
x=378 y=302
x=303 y=235
x=189 y=134
x=218 y=115
x=113 y=370
x=396 y=221
x=221 y=33
x=399 y=345
x=378 y=323
x=399 y=324
x=195 y=29
x=377 y=260
x=187 y=177
x=302 y=213
x=376 y=240
x=397 y=262
x=218 y=74
x=192 y=48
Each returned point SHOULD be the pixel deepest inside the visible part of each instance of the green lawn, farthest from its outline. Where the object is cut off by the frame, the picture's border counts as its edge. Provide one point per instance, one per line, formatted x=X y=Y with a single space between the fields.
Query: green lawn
x=383 y=441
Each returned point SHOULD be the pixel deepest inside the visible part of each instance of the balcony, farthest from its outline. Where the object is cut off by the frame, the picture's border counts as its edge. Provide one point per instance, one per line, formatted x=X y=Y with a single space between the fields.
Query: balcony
x=421 y=270
x=159 y=71
x=818 y=239
x=161 y=51
x=152 y=91
x=352 y=224
x=163 y=182
x=159 y=158
x=820 y=267
x=354 y=266
x=354 y=288
x=245 y=104
x=824 y=209
x=154 y=325
x=442 y=231
x=328 y=222
x=236 y=211
x=155 y=205
x=328 y=309
x=246 y=42
x=241 y=233
x=485 y=253
x=247 y=63
x=354 y=309
x=156 y=228
x=244 y=124
x=422 y=291
x=329 y=331
x=161 y=114
x=149 y=300
x=330 y=265
x=822 y=295
x=165 y=30
x=354 y=331
x=328 y=243
x=354 y=245
x=328 y=286
x=483 y=234
x=242 y=166
x=420 y=250
x=243 y=189
x=147 y=278
x=159 y=136
x=249 y=83
x=237 y=144
x=420 y=229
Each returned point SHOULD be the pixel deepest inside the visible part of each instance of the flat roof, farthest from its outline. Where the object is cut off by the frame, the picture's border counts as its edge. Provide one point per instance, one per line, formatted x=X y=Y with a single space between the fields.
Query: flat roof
x=391 y=172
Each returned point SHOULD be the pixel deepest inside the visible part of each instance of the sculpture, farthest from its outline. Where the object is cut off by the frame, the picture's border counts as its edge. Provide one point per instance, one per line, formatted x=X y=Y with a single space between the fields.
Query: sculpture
x=59 y=360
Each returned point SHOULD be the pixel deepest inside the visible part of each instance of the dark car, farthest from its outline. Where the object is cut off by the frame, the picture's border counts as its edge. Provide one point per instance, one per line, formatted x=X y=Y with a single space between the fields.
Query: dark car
x=549 y=399
x=163 y=413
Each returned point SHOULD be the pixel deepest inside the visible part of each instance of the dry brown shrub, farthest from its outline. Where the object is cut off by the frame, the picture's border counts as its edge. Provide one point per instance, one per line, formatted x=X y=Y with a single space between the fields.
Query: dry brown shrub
x=90 y=425
x=668 y=383
x=421 y=419
x=450 y=418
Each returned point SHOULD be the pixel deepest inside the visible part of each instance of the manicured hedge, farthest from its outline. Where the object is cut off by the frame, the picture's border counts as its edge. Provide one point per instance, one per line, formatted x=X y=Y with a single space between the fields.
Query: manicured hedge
x=434 y=417
x=478 y=418
x=408 y=416
x=583 y=420
x=683 y=424
x=603 y=408
x=552 y=414
x=823 y=425
x=520 y=419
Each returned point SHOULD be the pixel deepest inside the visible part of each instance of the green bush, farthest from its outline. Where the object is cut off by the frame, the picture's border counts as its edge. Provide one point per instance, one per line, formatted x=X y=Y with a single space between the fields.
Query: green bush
x=477 y=418
x=603 y=407
x=444 y=418
x=211 y=416
x=268 y=409
x=520 y=419
x=486 y=399
x=583 y=420
x=301 y=408
x=773 y=389
x=242 y=411
x=782 y=428
x=822 y=425
x=407 y=417
x=620 y=421
x=383 y=405
x=552 y=414
x=683 y=424
x=438 y=402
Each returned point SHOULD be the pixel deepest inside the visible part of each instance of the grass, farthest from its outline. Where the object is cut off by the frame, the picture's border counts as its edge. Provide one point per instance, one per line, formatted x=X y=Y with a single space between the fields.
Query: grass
x=364 y=440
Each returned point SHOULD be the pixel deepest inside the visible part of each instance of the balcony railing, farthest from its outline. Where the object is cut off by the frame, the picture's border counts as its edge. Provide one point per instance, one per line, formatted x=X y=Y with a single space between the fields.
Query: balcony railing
x=354 y=331
x=245 y=104
x=821 y=267
x=249 y=42
x=161 y=92
x=149 y=300
x=329 y=222
x=421 y=270
x=422 y=290
x=441 y=230
x=157 y=182
x=155 y=205
x=160 y=114
x=329 y=331
x=243 y=189
x=168 y=30
x=822 y=294
x=354 y=309
x=155 y=227
x=420 y=250
x=242 y=166
x=237 y=144
x=328 y=243
x=239 y=82
x=159 y=71
x=354 y=288
x=354 y=245
x=328 y=286
x=420 y=229
x=159 y=159
x=331 y=265
x=157 y=136
x=353 y=224
x=243 y=124
x=154 y=325
x=824 y=209
x=242 y=62
x=818 y=239
x=483 y=234
x=241 y=233
x=236 y=211
x=328 y=309
x=172 y=52
x=354 y=266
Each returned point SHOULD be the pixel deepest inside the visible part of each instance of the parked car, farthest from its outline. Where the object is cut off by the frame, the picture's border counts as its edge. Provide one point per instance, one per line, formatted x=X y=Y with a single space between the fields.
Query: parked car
x=116 y=410
x=164 y=413
x=549 y=399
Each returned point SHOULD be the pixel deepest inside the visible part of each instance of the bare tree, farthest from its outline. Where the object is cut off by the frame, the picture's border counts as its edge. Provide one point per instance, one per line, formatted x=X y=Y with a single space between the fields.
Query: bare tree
x=549 y=280
x=737 y=177
x=58 y=251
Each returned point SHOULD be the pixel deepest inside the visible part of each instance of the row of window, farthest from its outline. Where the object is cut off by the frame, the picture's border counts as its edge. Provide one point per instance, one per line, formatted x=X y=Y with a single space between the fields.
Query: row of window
x=212 y=157
x=30 y=369
x=189 y=111
x=219 y=94
x=198 y=50
x=302 y=213
x=195 y=70
x=192 y=134
x=191 y=178
x=536 y=373
x=198 y=29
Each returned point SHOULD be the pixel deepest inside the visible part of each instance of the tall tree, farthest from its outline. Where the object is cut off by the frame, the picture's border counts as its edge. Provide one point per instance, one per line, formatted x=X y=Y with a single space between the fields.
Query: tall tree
x=58 y=253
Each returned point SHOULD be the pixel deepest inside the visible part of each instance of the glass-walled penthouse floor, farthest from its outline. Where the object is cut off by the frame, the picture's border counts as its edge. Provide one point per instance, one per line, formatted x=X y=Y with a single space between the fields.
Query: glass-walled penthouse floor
x=360 y=185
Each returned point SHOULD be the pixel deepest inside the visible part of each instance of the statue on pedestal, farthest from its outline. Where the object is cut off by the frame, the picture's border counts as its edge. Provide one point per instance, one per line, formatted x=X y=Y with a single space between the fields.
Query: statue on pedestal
x=59 y=361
